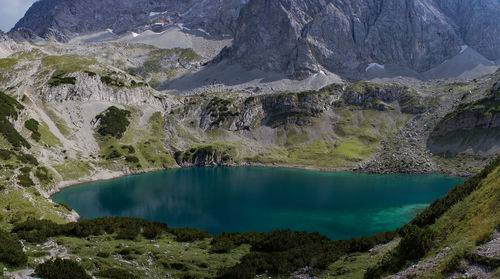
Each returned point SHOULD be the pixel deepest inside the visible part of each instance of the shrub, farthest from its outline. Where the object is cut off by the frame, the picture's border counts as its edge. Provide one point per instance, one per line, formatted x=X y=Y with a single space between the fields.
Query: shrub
x=113 y=122
x=42 y=173
x=61 y=269
x=282 y=252
x=25 y=180
x=37 y=231
x=189 y=234
x=132 y=159
x=413 y=246
x=112 y=81
x=103 y=254
x=32 y=125
x=27 y=159
x=11 y=250
x=6 y=154
x=59 y=79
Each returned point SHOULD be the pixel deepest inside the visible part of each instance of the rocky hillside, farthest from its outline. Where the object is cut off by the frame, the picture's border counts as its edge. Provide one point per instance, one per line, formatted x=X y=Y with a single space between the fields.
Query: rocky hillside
x=471 y=126
x=61 y=20
x=302 y=37
x=298 y=38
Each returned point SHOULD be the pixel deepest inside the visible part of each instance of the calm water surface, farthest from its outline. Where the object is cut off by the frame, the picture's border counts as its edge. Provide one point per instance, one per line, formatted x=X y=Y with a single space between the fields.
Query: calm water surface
x=339 y=205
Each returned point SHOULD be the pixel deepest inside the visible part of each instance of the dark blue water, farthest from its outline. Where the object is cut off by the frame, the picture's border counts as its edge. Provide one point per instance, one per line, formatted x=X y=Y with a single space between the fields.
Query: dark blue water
x=339 y=205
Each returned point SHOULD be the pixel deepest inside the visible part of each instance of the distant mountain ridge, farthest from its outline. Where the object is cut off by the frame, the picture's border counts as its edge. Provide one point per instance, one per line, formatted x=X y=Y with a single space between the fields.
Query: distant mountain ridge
x=62 y=19
x=299 y=38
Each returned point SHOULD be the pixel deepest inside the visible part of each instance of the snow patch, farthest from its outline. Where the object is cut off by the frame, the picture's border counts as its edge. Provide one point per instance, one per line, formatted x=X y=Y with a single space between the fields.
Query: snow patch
x=152 y=14
x=371 y=65
x=463 y=48
x=322 y=72
x=181 y=26
x=134 y=34
x=203 y=31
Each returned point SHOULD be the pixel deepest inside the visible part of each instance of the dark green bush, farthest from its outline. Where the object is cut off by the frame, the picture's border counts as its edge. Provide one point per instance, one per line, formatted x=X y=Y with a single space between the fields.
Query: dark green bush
x=282 y=252
x=59 y=79
x=27 y=159
x=38 y=231
x=11 y=250
x=414 y=245
x=42 y=173
x=113 y=122
x=25 y=180
x=130 y=148
x=61 y=269
x=112 y=81
x=189 y=234
x=132 y=159
x=32 y=125
x=6 y=154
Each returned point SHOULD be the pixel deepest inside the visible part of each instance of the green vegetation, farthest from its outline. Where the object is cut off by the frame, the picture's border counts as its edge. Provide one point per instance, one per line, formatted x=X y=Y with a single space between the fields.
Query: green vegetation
x=58 y=78
x=108 y=80
x=67 y=63
x=282 y=252
x=457 y=194
x=113 y=122
x=61 y=269
x=219 y=109
x=11 y=250
x=8 y=109
x=32 y=125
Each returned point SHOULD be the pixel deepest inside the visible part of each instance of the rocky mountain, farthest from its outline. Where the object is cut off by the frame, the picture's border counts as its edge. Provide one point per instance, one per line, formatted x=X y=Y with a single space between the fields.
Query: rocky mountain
x=300 y=37
x=63 y=19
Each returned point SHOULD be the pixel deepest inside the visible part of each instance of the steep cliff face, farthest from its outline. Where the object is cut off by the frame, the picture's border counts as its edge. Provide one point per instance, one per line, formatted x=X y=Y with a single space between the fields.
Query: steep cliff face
x=62 y=19
x=477 y=22
x=301 y=36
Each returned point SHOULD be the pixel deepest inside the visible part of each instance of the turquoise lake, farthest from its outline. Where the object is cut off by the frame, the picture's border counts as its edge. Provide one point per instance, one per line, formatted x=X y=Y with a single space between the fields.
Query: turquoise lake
x=238 y=199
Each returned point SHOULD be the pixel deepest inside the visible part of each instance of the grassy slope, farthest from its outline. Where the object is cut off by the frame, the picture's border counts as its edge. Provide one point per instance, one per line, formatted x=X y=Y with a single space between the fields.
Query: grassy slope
x=469 y=222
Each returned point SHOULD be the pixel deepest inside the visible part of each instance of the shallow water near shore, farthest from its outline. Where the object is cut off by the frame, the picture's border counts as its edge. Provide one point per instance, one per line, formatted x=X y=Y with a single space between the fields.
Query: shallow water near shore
x=238 y=199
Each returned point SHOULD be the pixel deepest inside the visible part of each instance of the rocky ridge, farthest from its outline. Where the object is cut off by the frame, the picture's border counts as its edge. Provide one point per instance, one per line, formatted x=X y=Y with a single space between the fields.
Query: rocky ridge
x=303 y=37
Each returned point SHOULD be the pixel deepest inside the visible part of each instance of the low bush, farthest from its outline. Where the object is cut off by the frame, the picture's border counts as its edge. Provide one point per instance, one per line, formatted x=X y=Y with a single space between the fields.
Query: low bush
x=61 y=269
x=38 y=231
x=32 y=125
x=113 y=122
x=11 y=250
x=132 y=159
x=58 y=78
x=189 y=234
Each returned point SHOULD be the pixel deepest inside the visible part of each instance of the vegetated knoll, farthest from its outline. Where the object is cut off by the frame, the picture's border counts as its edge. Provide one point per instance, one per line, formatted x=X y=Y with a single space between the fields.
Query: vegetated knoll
x=449 y=235
x=338 y=126
x=471 y=126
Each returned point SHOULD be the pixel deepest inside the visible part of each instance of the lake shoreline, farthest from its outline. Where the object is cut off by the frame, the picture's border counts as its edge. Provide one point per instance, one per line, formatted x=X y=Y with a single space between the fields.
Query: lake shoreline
x=107 y=175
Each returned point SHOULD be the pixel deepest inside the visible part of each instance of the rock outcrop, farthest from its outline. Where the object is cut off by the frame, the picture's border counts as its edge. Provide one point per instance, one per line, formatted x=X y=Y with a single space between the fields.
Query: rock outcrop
x=472 y=127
